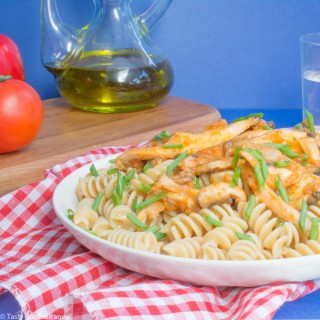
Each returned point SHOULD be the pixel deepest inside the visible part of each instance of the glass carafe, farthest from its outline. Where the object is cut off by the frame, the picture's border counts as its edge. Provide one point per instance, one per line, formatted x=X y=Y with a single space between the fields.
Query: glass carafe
x=110 y=65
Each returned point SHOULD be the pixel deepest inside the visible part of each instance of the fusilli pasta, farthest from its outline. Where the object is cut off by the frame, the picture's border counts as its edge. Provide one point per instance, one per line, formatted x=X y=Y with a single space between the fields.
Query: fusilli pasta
x=240 y=191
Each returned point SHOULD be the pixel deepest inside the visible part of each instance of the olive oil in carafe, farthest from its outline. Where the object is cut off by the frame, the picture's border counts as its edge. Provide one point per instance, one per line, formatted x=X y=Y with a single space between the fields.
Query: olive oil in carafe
x=121 y=82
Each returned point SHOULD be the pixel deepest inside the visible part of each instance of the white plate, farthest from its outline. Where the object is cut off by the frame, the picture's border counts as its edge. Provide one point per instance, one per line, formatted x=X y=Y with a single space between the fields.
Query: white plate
x=200 y=272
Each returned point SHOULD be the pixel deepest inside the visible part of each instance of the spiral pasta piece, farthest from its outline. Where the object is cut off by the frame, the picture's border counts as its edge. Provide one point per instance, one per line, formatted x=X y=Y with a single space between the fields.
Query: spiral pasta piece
x=219 y=211
x=273 y=233
x=150 y=176
x=258 y=217
x=263 y=253
x=307 y=248
x=243 y=250
x=105 y=207
x=211 y=252
x=84 y=216
x=129 y=197
x=101 y=226
x=223 y=176
x=183 y=248
x=314 y=210
x=186 y=226
x=90 y=186
x=204 y=180
x=145 y=241
x=224 y=237
x=118 y=218
x=167 y=216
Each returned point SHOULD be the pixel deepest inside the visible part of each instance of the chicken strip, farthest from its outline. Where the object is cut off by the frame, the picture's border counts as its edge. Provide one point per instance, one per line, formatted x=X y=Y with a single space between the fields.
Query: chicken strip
x=192 y=143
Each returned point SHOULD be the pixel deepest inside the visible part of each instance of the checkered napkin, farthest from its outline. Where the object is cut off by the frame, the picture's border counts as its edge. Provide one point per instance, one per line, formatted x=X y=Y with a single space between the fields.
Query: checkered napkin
x=52 y=275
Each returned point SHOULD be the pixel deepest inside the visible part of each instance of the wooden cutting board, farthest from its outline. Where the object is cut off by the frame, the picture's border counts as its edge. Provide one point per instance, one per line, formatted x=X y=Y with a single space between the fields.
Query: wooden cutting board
x=67 y=132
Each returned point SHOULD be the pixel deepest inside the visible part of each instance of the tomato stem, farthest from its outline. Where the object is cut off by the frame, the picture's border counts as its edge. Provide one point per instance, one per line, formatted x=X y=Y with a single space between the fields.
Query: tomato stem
x=5 y=78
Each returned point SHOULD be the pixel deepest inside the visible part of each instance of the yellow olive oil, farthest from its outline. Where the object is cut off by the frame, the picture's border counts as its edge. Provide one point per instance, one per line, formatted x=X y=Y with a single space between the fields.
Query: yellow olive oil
x=103 y=81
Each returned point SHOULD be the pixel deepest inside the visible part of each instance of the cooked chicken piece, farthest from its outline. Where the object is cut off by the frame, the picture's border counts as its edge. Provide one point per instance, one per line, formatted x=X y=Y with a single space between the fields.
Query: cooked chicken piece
x=151 y=213
x=288 y=136
x=310 y=147
x=271 y=154
x=243 y=139
x=222 y=164
x=274 y=202
x=308 y=188
x=191 y=142
x=204 y=156
x=219 y=192
x=288 y=175
x=183 y=198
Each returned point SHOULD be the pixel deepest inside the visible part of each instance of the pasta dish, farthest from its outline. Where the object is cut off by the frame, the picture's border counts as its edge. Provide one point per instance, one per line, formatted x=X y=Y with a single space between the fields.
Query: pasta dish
x=238 y=191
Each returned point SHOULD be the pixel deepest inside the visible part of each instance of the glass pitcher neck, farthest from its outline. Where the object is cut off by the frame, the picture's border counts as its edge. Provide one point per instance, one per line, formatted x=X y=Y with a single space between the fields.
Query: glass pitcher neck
x=110 y=4
x=112 y=9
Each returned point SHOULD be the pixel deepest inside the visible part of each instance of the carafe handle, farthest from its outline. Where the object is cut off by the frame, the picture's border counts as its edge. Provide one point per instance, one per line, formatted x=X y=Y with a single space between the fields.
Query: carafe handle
x=153 y=14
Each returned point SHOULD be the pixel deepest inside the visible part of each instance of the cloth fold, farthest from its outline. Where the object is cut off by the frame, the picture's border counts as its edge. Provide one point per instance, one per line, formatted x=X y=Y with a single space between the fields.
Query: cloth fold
x=51 y=274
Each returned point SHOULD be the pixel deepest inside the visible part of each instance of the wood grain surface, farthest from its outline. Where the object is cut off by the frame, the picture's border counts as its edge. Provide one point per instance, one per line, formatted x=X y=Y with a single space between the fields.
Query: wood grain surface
x=67 y=132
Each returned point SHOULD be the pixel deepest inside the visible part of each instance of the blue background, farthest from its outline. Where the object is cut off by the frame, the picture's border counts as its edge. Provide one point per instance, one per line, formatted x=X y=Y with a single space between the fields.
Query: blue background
x=231 y=54
x=226 y=53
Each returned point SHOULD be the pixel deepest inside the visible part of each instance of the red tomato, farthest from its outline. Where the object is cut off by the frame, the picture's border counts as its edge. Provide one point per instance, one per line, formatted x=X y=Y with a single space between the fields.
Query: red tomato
x=10 y=59
x=21 y=114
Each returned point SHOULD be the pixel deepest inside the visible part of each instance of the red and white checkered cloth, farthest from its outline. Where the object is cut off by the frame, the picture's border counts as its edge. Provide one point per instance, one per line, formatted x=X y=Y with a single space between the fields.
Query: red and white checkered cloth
x=51 y=274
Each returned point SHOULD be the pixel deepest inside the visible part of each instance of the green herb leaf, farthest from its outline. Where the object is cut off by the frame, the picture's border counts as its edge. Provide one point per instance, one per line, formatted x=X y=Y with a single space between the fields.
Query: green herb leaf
x=250 y=206
x=144 y=187
x=94 y=171
x=121 y=181
x=134 y=205
x=146 y=167
x=176 y=162
x=91 y=232
x=213 y=221
x=154 y=229
x=304 y=160
x=303 y=215
x=235 y=177
x=97 y=201
x=265 y=126
x=161 y=135
x=252 y=115
x=281 y=164
x=243 y=236
x=70 y=214
x=310 y=121
x=298 y=126
x=112 y=171
x=281 y=189
x=133 y=218
x=128 y=178
x=236 y=156
x=314 y=230
x=264 y=168
x=263 y=163
x=283 y=148
x=196 y=182
x=147 y=202
x=160 y=235
x=172 y=146
x=280 y=222
x=259 y=176
x=255 y=153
